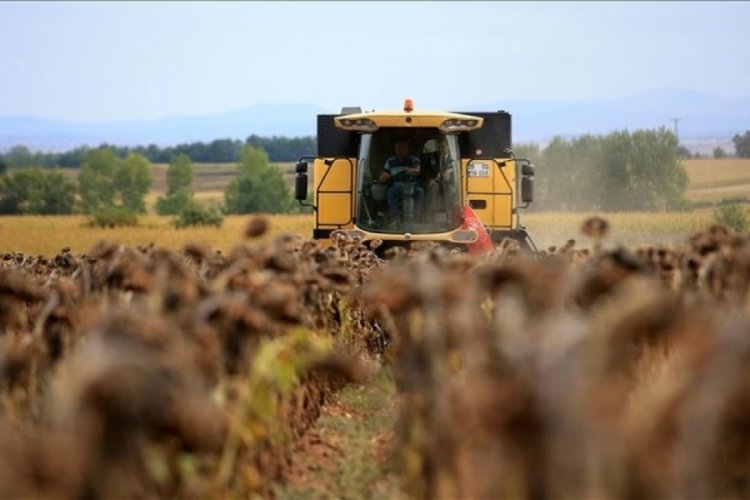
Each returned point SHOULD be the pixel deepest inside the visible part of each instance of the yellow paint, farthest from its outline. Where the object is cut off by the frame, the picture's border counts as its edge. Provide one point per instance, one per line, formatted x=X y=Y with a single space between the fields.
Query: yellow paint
x=492 y=182
x=334 y=192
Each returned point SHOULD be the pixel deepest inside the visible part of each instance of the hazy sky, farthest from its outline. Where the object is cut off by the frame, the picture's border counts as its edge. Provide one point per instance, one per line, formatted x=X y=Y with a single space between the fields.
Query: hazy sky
x=109 y=61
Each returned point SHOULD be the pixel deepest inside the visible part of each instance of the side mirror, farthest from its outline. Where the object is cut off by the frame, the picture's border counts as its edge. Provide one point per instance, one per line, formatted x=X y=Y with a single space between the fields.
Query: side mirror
x=527 y=189
x=527 y=182
x=300 y=181
x=300 y=186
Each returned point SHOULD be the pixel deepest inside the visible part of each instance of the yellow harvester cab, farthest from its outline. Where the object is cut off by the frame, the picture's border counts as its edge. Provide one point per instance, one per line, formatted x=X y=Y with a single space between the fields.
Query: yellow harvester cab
x=463 y=158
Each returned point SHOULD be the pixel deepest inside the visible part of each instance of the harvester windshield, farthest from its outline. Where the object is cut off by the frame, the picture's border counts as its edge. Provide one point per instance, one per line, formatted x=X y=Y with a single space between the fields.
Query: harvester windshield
x=408 y=181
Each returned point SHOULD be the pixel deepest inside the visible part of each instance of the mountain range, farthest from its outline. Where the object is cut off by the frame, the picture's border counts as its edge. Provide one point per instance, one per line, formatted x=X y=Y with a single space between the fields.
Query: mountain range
x=700 y=118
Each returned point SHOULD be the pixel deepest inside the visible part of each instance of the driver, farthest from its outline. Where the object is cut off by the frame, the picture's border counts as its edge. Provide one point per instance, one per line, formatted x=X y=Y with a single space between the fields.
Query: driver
x=402 y=169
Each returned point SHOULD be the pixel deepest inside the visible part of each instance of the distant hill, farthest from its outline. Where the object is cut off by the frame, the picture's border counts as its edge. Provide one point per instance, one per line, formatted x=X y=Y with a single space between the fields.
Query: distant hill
x=291 y=120
x=705 y=121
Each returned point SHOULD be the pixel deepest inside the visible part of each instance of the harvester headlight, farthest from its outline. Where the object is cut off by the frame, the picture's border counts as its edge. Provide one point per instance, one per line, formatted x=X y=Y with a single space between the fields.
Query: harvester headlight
x=464 y=236
x=360 y=124
x=458 y=125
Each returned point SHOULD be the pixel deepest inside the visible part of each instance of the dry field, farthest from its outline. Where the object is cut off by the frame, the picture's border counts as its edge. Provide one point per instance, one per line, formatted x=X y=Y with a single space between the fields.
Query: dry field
x=209 y=182
x=712 y=180
x=629 y=229
x=38 y=235
x=209 y=177
x=47 y=235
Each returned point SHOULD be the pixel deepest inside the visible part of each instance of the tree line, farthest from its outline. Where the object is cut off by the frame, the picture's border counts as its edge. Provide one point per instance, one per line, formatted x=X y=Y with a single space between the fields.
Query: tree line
x=623 y=170
x=113 y=190
x=616 y=172
x=742 y=144
x=279 y=149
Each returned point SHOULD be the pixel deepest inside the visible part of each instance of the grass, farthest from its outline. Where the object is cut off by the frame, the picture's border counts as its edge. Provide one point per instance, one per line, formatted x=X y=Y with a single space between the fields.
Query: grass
x=47 y=235
x=351 y=457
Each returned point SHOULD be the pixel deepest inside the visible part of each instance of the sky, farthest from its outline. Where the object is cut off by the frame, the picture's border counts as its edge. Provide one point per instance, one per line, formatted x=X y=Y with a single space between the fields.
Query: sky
x=109 y=61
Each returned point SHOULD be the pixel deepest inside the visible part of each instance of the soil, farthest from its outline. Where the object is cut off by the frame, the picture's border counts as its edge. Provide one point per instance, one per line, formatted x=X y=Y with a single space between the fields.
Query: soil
x=349 y=452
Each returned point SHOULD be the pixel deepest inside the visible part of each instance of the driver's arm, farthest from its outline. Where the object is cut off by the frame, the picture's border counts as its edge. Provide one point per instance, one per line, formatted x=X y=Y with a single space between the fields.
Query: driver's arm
x=415 y=166
x=385 y=175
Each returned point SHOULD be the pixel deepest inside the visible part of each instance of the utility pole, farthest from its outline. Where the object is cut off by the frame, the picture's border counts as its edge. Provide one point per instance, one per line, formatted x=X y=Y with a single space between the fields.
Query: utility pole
x=676 y=128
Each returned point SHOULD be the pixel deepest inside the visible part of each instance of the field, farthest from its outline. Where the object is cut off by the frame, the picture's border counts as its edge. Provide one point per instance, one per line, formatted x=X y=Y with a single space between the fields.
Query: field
x=209 y=182
x=612 y=365
x=712 y=180
x=37 y=235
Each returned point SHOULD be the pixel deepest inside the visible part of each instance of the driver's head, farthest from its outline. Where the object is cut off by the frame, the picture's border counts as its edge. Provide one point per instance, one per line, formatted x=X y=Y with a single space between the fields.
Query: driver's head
x=402 y=149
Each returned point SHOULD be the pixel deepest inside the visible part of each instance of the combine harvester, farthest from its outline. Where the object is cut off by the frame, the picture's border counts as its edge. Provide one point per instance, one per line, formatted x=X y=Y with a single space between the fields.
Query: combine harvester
x=466 y=192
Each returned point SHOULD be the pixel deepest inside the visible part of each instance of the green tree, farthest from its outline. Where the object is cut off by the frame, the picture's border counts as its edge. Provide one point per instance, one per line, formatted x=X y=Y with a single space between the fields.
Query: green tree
x=282 y=149
x=658 y=179
x=238 y=196
x=195 y=214
x=179 y=174
x=259 y=187
x=106 y=182
x=132 y=181
x=719 y=152
x=620 y=171
x=615 y=176
x=223 y=150
x=174 y=204
x=3 y=167
x=96 y=180
x=59 y=193
x=731 y=215
x=179 y=186
x=19 y=157
x=22 y=192
x=35 y=191
x=742 y=144
x=529 y=151
x=571 y=179
x=684 y=152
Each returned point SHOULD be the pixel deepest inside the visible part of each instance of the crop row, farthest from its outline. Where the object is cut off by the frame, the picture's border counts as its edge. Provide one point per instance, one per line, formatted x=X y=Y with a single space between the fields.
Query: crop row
x=145 y=372
x=581 y=373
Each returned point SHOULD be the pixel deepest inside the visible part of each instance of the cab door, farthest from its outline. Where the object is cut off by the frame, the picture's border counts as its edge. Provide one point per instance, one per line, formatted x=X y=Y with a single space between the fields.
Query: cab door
x=488 y=169
x=479 y=189
x=489 y=190
x=333 y=175
x=334 y=187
